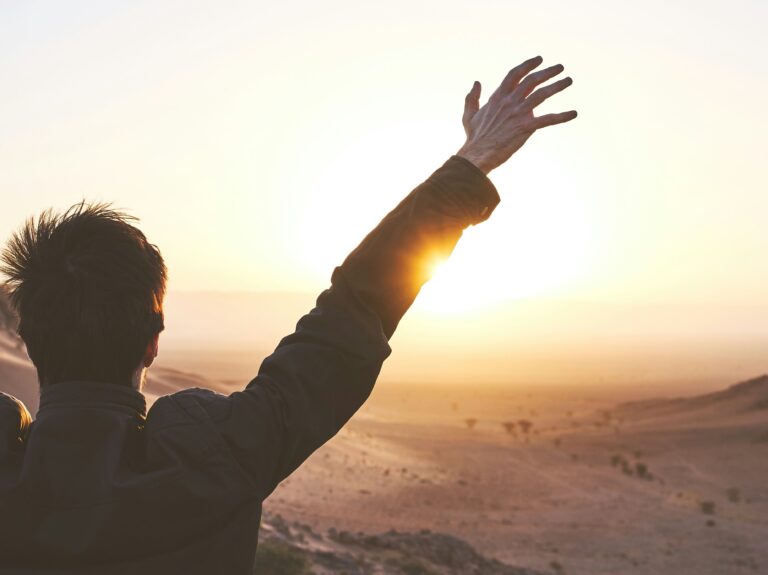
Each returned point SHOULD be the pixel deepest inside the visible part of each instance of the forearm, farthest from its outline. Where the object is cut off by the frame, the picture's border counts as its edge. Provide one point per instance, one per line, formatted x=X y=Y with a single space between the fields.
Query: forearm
x=387 y=270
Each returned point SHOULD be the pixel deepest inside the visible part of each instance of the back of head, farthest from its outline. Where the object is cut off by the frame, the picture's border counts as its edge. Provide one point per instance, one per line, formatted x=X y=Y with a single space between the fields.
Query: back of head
x=88 y=289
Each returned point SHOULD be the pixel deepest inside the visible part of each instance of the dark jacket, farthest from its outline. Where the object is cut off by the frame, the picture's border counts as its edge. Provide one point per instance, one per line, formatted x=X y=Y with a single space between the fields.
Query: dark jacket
x=97 y=485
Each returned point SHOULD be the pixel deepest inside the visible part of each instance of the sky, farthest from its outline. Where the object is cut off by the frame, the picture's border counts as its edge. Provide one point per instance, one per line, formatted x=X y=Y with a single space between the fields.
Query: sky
x=259 y=142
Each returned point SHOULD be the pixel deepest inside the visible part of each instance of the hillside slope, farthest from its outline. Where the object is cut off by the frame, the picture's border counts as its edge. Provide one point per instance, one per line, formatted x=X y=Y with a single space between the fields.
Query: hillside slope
x=744 y=400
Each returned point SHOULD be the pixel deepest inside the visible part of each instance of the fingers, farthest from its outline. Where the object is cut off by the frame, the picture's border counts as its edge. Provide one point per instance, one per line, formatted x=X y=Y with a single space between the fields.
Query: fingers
x=533 y=80
x=471 y=105
x=543 y=93
x=515 y=75
x=519 y=72
x=551 y=120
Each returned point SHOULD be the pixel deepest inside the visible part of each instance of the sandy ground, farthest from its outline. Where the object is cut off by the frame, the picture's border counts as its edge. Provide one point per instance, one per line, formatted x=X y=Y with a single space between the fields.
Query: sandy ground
x=589 y=488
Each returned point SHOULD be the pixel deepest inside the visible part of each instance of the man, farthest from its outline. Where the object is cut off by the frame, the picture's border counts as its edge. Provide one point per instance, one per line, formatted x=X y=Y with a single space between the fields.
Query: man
x=97 y=485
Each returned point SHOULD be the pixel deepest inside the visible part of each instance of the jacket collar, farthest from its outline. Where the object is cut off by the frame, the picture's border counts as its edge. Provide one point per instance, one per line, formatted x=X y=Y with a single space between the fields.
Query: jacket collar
x=92 y=394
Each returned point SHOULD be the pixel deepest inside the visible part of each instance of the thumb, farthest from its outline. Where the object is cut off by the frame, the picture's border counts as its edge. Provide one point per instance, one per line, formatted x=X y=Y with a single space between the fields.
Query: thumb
x=471 y=105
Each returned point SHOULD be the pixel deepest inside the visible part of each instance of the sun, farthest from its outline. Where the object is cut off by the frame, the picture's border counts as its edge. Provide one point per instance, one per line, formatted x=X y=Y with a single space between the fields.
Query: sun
x=537 y=241
x=512 y=258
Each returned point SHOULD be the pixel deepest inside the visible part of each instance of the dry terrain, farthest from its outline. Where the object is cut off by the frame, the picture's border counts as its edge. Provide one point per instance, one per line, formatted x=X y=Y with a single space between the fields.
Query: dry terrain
x=593 y=486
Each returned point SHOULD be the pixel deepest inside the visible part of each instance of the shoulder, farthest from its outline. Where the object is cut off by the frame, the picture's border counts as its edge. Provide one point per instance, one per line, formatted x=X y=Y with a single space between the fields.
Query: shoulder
x=195 y=403
x=185 y=423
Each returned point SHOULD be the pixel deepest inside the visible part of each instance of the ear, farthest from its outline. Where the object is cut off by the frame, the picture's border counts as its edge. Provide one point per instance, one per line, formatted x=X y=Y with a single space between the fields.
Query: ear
x=151 y=352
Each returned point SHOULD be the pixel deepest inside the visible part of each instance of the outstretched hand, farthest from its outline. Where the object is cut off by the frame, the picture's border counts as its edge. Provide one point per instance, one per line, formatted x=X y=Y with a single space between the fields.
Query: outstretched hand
x=506 y=121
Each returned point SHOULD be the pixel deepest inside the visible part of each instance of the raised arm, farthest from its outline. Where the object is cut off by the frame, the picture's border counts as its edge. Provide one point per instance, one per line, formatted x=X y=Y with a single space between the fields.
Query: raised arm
x=387 y=270
x=321 y=374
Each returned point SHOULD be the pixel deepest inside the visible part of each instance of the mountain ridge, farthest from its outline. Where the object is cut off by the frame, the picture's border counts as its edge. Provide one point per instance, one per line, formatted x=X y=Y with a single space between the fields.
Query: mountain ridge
x=737 y=399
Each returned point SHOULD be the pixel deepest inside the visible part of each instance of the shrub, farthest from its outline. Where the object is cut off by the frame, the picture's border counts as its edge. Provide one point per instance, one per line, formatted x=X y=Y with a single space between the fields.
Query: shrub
x=413 y=567
x=277 y=558
x=707 y=507
x=525 y=425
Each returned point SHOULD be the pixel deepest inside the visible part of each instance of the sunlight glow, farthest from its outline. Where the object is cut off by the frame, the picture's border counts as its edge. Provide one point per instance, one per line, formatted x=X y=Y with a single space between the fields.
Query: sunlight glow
x=541 y=240
x=540 y=244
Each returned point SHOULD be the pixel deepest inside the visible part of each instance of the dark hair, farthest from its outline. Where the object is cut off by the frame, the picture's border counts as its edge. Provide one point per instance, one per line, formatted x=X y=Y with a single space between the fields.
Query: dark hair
x=88 y=289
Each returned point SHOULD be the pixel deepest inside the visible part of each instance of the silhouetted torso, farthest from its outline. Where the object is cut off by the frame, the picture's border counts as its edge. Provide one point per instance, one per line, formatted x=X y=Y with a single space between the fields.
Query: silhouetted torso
x=97 y=485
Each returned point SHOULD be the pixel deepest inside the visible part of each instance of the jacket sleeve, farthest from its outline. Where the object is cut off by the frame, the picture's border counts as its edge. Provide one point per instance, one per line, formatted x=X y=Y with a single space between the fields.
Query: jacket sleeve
x=319 y=376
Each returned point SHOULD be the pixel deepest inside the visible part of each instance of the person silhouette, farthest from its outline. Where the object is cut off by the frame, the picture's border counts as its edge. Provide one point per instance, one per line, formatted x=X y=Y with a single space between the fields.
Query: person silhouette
x=95 y=483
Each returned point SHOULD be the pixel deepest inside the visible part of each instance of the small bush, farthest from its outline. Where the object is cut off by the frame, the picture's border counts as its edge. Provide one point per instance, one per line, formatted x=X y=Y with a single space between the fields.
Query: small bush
x=414 y=568
x=641 y=470
x=410 y=566
x=276 y=558
x=707 y=507
x=525 y=425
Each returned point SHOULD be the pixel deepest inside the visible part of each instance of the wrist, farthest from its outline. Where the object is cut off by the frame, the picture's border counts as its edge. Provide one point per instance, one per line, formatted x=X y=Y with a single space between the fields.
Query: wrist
x=476 y=159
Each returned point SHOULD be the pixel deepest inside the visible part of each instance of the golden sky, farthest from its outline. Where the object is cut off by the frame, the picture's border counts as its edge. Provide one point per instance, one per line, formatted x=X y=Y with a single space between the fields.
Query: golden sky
x=259 y=142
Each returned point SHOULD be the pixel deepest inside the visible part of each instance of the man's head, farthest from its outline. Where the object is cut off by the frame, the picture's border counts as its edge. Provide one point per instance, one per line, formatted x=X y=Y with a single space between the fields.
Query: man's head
x=88 y=289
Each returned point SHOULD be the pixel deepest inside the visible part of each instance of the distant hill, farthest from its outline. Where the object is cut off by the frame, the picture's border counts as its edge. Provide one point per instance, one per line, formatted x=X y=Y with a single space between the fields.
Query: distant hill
x=741 y=399
x=165 y=380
